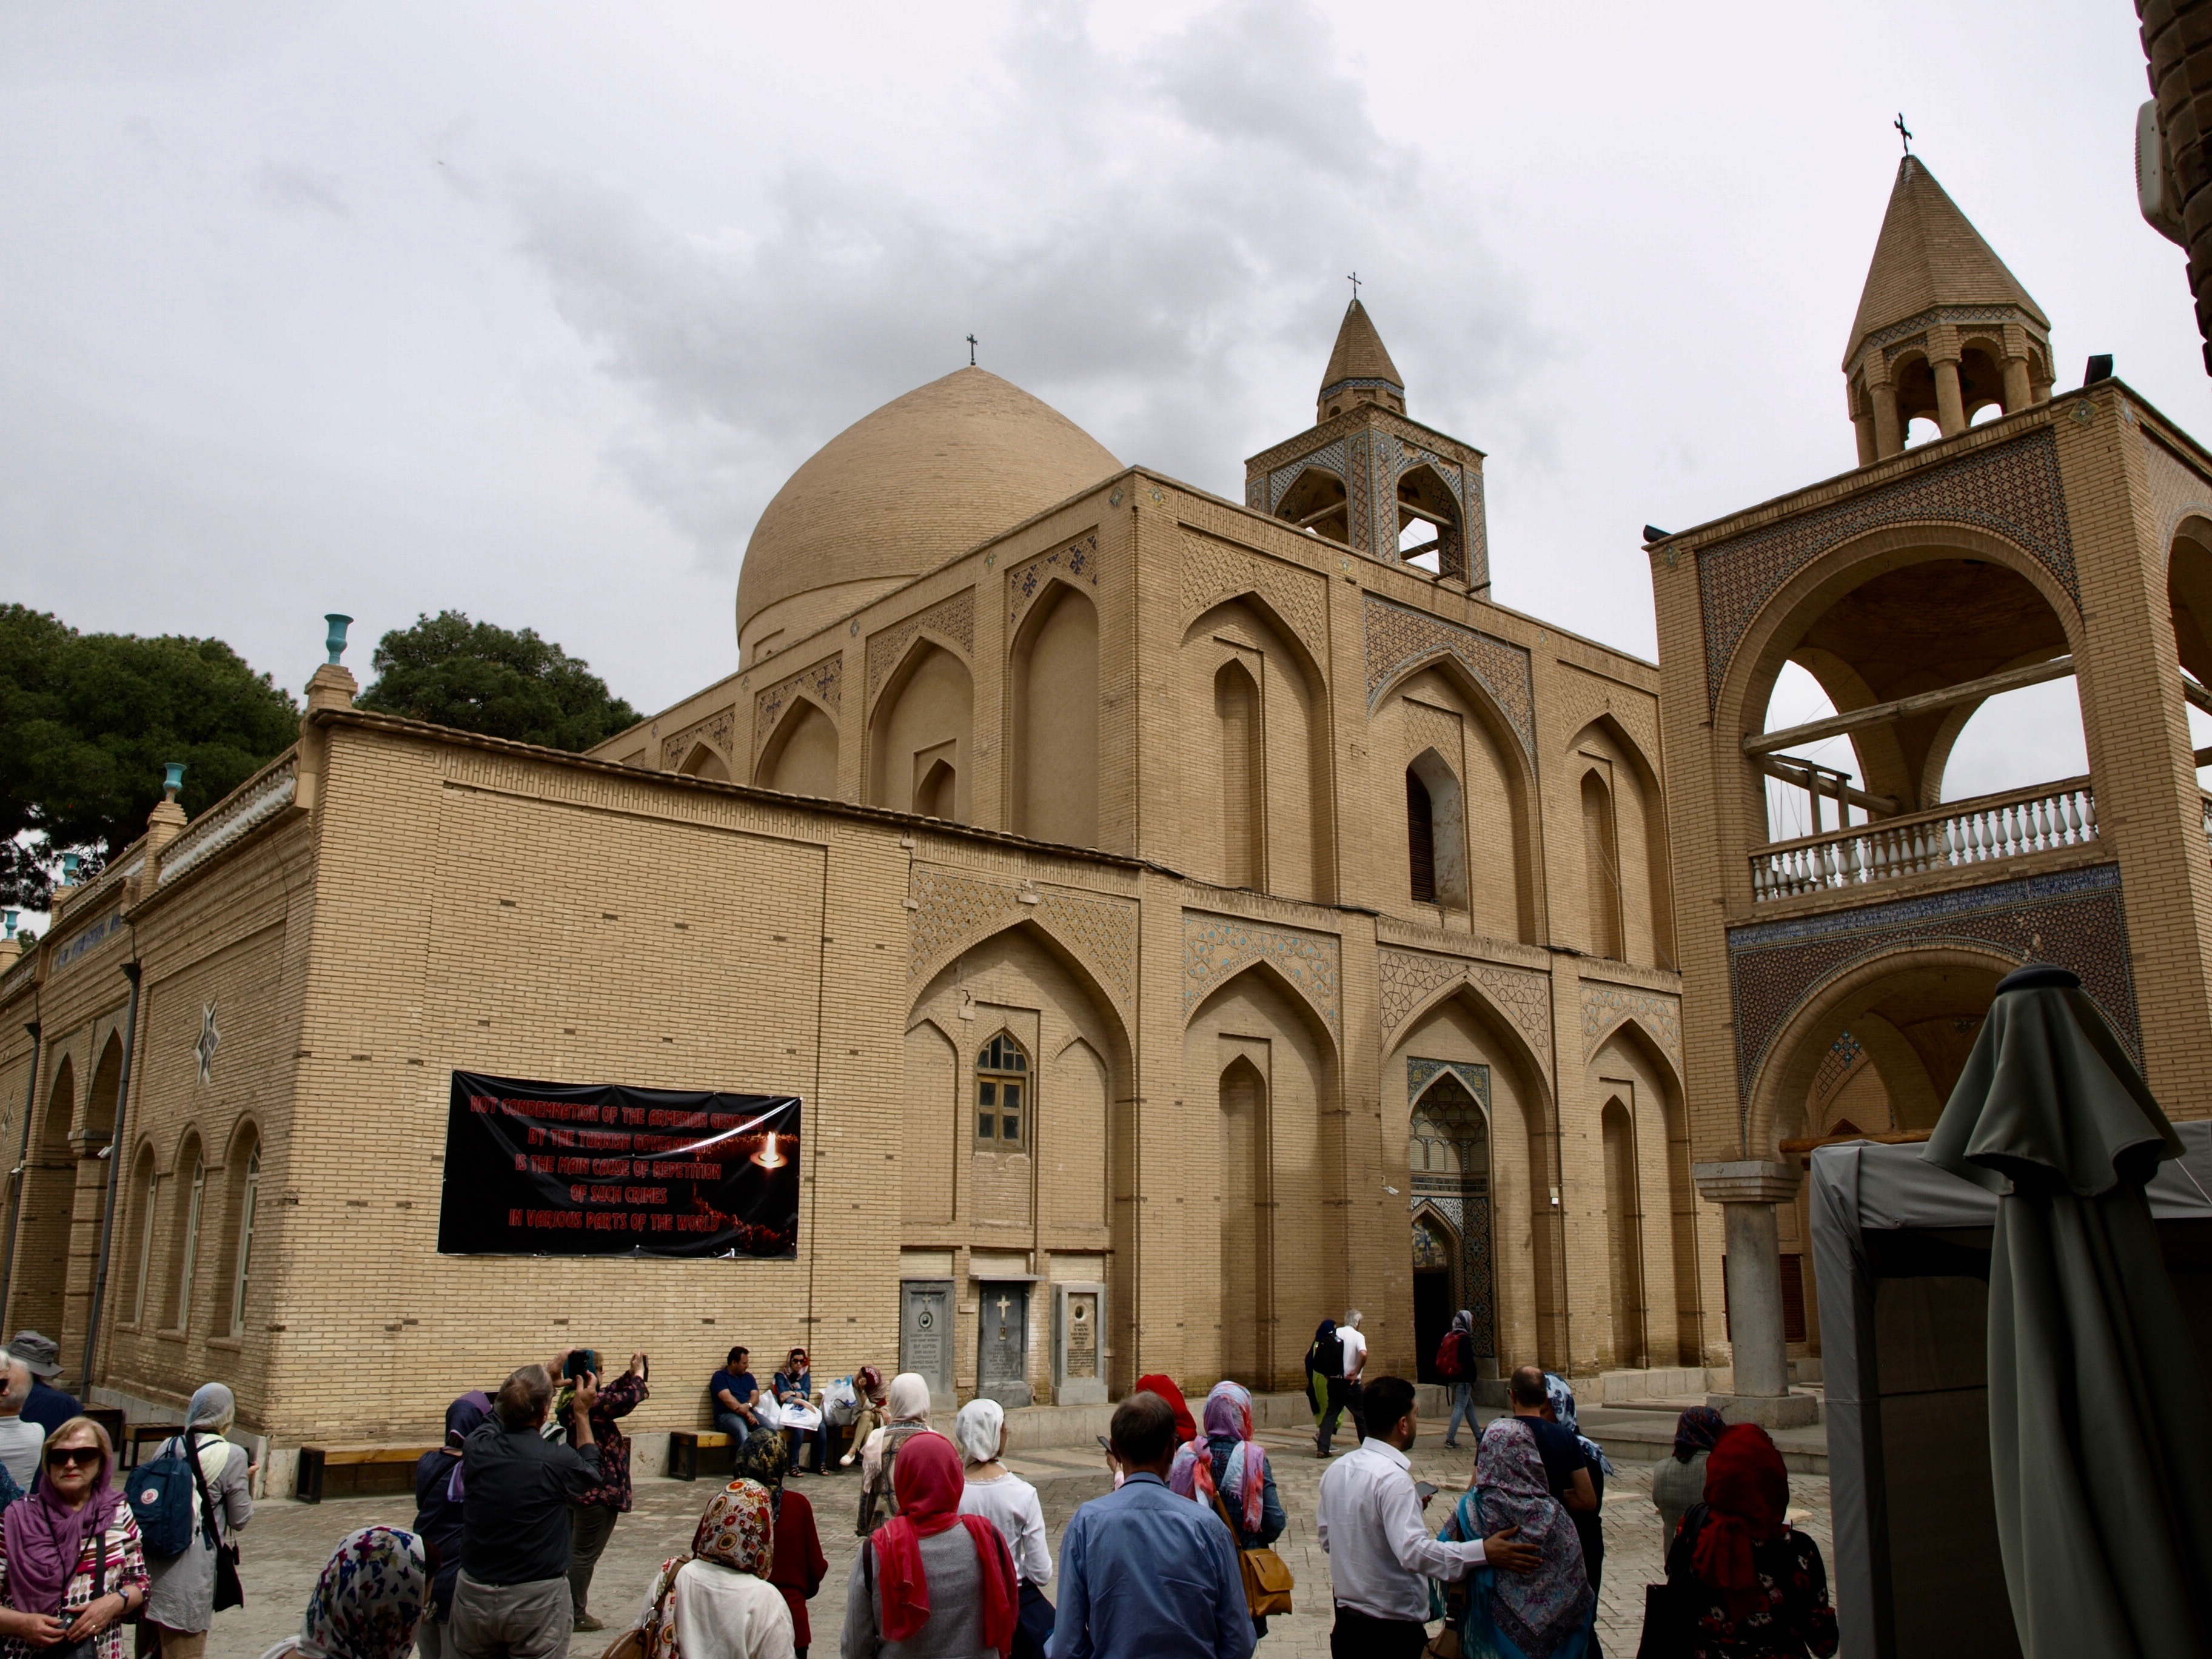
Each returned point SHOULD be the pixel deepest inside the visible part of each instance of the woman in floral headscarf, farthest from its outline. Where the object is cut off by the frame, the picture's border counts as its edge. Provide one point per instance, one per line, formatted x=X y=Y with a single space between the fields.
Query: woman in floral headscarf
x=716 y=1602
x=372 y=1594
x=797 y=1567
x=1549 y=1612
x=1229 y=1461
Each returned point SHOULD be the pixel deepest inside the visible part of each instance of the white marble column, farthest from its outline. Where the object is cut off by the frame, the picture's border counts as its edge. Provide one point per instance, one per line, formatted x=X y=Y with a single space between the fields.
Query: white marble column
x=1748 y=1192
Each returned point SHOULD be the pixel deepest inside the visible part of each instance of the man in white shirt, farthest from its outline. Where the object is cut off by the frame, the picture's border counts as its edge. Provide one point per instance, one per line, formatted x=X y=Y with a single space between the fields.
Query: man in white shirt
x=19 y=1441
x=1380 y=1556
x=1344 y=1394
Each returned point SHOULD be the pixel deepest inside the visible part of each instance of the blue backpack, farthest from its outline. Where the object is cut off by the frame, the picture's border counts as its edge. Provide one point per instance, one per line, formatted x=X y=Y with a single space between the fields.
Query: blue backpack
x=162 y=1494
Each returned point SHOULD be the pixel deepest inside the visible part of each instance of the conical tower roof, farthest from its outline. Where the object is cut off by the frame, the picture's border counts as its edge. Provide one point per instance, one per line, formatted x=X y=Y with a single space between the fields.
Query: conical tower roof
x=1360 y=360
x=1929 y=255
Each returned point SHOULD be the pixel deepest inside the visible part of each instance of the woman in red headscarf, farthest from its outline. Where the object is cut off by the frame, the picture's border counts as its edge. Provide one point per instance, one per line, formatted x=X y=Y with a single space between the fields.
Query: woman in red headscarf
x=932 y=1580
x=1185 y=1428
x=1747 y=1583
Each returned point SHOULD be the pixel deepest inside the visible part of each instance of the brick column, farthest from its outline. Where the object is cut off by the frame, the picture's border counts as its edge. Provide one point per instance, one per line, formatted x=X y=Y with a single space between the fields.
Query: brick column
x=2177 y=37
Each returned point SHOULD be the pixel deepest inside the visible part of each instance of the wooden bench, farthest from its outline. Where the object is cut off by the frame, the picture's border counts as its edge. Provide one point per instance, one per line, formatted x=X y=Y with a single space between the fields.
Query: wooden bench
x=139 y=1435
x=684 y=1446
x=355 y=1471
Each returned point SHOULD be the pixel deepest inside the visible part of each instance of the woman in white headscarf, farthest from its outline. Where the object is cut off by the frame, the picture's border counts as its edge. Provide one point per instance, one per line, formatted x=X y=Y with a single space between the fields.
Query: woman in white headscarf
x=906 y=1413
x=182 y=1605
x=1010 y=1504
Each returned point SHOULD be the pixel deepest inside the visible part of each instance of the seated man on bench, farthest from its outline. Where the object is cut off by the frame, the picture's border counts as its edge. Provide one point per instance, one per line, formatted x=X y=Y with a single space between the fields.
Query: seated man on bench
x=737 y=1399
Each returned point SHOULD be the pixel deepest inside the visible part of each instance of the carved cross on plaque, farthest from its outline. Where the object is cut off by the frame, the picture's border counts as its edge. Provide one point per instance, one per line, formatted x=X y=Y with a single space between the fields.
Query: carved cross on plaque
x=1005 y=1303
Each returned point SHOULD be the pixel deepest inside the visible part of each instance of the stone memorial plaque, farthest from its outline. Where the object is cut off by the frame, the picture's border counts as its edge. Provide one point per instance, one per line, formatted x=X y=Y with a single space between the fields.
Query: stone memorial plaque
x=925 y=1332
x=1002 y=1356
x=1081 y=1361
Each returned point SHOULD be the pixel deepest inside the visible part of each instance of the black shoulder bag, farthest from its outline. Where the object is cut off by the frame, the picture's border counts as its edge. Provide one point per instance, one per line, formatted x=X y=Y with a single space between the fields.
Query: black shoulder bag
x=88 y=1647
x=228 y=1592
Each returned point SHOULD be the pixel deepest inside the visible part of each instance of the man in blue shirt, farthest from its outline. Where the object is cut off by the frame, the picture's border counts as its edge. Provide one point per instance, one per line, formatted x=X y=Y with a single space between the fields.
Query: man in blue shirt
x=736 y=1398
x=1143 y=1573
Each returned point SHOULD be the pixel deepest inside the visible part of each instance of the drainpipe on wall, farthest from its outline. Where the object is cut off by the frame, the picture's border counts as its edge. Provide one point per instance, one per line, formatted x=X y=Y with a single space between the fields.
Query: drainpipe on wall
x=132 y=972
x=23 y=1171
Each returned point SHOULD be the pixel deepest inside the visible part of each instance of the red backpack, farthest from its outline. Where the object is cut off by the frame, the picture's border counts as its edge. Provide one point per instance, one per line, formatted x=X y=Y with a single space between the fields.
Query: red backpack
x=1451 y=1356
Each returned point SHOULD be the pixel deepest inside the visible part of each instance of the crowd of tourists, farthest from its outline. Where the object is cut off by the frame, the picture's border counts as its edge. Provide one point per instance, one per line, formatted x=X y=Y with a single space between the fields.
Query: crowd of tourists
x=516 y=1509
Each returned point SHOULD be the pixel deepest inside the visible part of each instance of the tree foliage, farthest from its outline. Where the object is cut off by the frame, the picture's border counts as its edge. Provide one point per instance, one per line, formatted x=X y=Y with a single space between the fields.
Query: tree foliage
x=86 y=722
x=496 y=681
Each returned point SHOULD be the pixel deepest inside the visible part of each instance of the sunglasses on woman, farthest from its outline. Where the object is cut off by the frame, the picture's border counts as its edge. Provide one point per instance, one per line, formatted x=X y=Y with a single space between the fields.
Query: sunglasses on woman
x=83 y=1456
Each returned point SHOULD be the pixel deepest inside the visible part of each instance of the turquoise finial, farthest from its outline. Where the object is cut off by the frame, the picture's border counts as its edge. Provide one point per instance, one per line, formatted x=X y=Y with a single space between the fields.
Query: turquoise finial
x=8 y=916
x=173 y=777
x=69 y=861
x=336 y=643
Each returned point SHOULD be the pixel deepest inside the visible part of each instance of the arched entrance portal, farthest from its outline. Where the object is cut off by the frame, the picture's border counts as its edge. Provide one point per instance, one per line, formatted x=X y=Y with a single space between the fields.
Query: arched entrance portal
x=1447 y=1156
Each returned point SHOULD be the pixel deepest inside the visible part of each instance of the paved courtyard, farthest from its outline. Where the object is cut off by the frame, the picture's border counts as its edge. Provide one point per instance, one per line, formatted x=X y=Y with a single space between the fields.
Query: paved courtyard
x=288 y=1542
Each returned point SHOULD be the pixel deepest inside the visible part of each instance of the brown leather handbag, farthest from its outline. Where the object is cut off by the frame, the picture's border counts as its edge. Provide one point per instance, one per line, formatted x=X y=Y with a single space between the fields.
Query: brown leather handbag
x=1267 y=1581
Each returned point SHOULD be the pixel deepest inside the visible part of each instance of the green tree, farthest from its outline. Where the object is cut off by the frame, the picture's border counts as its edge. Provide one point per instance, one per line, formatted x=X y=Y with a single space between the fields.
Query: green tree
x=86 y=722
x=480 y=678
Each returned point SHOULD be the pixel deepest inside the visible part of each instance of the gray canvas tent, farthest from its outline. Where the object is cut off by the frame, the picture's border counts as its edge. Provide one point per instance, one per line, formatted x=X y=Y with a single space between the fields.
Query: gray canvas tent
x=1902 y=1252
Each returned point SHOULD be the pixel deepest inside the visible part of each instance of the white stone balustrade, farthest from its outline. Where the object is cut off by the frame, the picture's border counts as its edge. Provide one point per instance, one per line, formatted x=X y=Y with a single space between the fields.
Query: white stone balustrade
x=1981 y=831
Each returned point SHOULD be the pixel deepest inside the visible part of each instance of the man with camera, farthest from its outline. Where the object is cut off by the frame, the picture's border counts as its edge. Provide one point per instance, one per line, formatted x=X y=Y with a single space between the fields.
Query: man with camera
x=513 y=1595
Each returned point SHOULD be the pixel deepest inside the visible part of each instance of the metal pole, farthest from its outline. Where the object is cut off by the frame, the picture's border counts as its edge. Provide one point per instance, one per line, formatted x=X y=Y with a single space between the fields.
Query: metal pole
x=22 y=1169
x=132 y=971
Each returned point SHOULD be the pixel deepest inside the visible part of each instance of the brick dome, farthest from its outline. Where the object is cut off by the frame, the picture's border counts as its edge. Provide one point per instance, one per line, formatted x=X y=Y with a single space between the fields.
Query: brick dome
x=899 y=492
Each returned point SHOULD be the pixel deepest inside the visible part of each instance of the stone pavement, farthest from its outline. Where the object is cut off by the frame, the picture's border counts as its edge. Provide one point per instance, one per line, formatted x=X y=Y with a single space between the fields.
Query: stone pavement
x=288 y=1542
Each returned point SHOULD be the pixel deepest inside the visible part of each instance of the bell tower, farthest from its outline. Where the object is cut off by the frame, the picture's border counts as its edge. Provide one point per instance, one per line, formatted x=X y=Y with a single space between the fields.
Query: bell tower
x=1943 y=329
x=1365 y=476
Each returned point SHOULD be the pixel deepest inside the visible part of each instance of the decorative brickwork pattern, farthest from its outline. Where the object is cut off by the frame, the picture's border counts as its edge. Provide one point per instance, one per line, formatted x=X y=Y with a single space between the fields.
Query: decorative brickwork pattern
x=2177 y=490
x=2011 y=490
x=1583 y=698
x=1274 y=485
x=823 y=683
x=1607 y=1007
x=952 y=620
x=1428 y=727
x=957 y=910
x=1213 y=571
x=1410 y=978
x=1838 y=1067
x=2073 y=918
x=1398 y=637
x=1215 y=948
x=1077 y=562
x=717 y=731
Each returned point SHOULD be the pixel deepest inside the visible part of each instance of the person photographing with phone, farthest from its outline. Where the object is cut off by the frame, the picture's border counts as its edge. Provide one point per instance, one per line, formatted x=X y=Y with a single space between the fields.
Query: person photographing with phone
x=513 y=1595
x=592 y=1520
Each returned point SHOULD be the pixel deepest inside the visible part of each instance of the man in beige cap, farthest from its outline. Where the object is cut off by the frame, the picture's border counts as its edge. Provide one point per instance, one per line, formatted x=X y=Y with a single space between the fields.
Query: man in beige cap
x=48 y=1407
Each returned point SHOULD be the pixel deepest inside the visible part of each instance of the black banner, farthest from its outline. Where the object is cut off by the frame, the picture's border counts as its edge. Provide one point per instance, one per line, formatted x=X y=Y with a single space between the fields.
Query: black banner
x=561 y=1169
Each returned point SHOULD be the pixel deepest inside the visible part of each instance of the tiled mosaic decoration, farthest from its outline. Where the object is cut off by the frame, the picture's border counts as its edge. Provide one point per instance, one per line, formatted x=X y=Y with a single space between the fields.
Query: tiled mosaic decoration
x=1213 y=571
x=1215 y=948
x=1605 y=1007
x=1463 y=1200
x=2077 y=916
x=717 y=731
x=957 y=912
x=2011 y=490
x=1399 y=637
x=1077 y=562
x=951 y=621
x=1410 y=978
x=823 y=683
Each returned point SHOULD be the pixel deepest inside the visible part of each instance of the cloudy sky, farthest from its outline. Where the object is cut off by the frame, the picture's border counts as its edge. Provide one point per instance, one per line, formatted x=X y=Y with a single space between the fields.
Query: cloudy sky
x=528 y=310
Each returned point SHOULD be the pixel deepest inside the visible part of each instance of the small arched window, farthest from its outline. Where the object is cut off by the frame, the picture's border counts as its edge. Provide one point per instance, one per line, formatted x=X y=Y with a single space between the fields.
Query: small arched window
x=249 y=1200
x=1421 y=839
x=1002 y=1076
x=190 y=1202
x=145 y=1189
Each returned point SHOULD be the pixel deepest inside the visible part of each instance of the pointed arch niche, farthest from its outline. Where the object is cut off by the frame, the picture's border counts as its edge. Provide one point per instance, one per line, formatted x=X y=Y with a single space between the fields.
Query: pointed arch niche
x=1053 y=716
x=1652 y=1288
x=1629 y=904
x=800 y=757
x=43 y=1233
x=1255 y=1054
x=919 y=737
x=1448 y=736
x=1068 y=1188
x=1465 y=1038
x=1254 y=796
